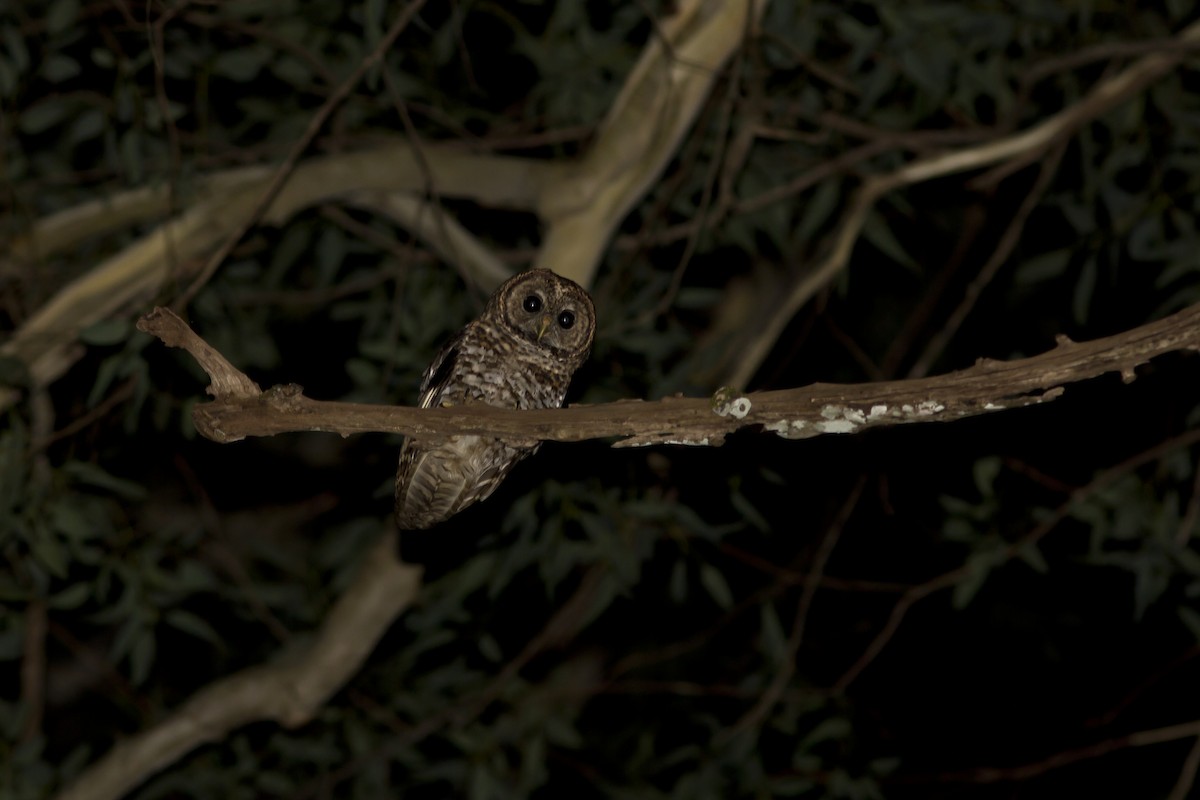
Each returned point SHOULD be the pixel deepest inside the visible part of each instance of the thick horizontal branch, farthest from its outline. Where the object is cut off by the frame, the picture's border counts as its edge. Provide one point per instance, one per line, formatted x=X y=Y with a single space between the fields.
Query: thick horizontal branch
x=241 y=410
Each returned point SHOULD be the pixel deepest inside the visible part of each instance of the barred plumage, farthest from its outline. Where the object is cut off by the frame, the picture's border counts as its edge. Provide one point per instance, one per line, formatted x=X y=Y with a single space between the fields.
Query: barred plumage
x=535 y=331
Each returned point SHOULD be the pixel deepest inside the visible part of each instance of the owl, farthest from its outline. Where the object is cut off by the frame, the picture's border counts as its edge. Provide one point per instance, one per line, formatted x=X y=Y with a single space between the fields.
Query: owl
x=535 y=331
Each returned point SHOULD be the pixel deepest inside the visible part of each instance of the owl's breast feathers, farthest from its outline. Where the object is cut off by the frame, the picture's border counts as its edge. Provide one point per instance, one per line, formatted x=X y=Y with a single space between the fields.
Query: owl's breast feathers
x=507 y=372
x=439 y=479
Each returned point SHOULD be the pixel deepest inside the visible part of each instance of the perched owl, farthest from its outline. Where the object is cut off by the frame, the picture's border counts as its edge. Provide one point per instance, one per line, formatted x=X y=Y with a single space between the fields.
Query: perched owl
x=534 y=333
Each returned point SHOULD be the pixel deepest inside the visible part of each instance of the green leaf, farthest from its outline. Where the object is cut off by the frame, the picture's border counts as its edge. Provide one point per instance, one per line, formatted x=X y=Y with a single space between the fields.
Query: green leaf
x=131 y=155
x=985 y=471
x=14 y=44
x=1085 y=289
x=1151 y=576
x=58 y=68
x=8 y=78
x=12 y=645
x=73 y=522
x=791 y=786
x=1191 y=620
x=106 y=332
x=930 y=66
x=330 y=252
x=677 y=585
x=774 y=641
x=13 y=372
x=92 y=475
x=698 y=297
x=490 y=649
x=49 y=552
x=240 y=64
x=1032 y=555
x=831 y=729
x=747 y=511
x=1044 y=267
x=141 y=657
x=363 y=372
x=43 y=116
x=110 y=369
x=193 y=625
x=103 y=57
x=817 y=210
x=87 y=126
x=72 y=597
x=879 y=234
x=979 y=564
x=61 y=15
x=714 y=582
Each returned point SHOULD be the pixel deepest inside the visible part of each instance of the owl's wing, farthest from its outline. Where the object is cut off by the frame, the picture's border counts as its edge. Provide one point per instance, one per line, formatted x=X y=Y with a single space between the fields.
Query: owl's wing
x=435 y=484
x=437 y=374
x=418 y=483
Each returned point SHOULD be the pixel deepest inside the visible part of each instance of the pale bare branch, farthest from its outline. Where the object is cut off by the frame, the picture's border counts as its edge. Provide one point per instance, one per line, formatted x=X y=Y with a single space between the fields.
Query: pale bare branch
x=656 y=107
x=288 y=692
x=445 y=236
x=1019 y=148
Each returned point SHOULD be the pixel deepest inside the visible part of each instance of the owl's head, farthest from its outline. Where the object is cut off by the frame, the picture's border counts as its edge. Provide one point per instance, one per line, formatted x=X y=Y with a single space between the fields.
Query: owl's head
x=548 y=310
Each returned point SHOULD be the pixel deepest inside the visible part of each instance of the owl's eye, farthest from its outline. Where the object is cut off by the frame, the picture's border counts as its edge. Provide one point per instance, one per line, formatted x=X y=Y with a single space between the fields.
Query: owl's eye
x=532 y=304
x=566 y=319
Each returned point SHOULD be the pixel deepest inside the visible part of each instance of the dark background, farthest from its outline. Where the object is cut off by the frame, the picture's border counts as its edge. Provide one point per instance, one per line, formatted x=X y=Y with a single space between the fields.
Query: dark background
x=159 y=561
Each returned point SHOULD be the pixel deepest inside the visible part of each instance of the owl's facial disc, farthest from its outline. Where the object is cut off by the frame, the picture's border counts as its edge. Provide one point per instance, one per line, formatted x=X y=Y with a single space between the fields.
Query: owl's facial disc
x=549 y=312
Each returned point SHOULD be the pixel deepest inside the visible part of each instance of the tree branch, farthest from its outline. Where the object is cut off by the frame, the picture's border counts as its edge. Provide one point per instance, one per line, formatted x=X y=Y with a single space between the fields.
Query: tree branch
x=288 y=692
x=1016 y=149
x=47 y=341
x=1030 y=539
x=1170 y=733
x=444 y=235
x=657 y=105
x=241 y=410
x=281 y=174
x=499 y=181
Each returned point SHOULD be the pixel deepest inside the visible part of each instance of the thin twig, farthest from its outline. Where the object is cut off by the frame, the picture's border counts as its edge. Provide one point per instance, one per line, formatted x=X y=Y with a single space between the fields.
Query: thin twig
x=1170 y=733
x=284 y=170
x=954 y=576
x=1187 y=774
x=33 y=669
x=774 y=691
x=119 y=395
x=790 y=576
x=562 y=626
x=219 y=545
x=1004 y=247
x=704 y=209
x=902 y=343
x=1019 y=147
x=1191 y=515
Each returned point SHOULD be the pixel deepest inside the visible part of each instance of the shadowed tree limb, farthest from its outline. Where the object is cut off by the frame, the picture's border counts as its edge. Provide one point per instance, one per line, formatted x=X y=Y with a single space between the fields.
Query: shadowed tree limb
x=1015 y=150
x=288 y=692
x=1169 y=733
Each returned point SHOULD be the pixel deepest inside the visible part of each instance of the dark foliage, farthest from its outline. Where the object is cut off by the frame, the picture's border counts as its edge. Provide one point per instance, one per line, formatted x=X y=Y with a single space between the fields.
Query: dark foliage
x=141 y=563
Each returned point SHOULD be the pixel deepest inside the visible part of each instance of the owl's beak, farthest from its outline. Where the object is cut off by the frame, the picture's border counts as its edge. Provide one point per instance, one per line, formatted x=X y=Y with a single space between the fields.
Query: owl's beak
x=545 y=326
